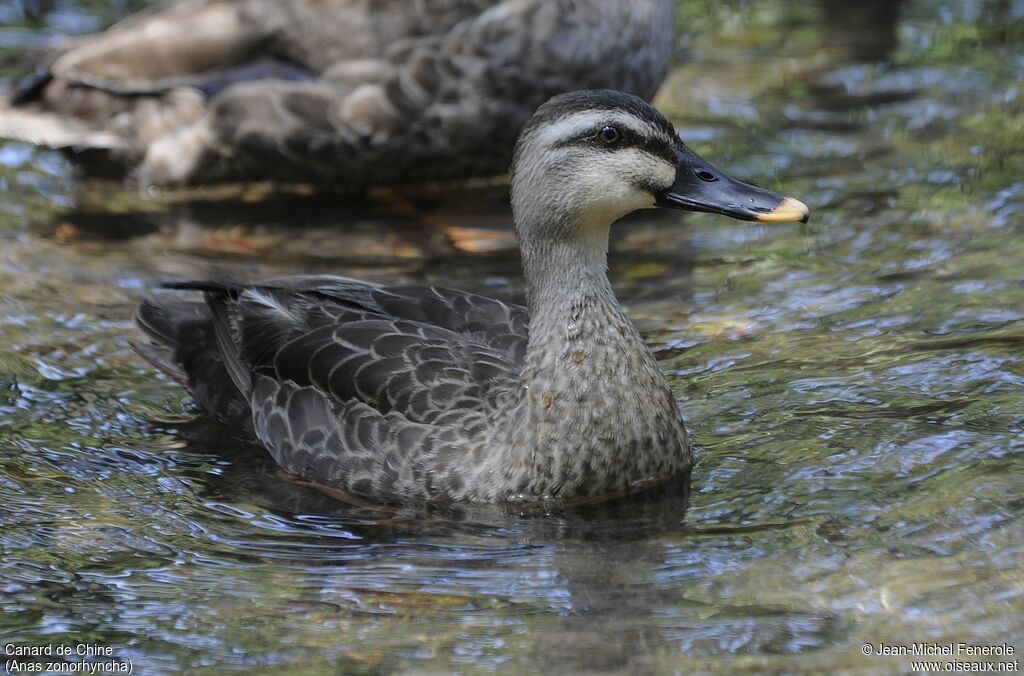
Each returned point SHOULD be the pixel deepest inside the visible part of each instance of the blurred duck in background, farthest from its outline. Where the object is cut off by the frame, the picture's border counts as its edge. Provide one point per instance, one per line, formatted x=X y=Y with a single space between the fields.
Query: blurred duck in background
x=347 y=92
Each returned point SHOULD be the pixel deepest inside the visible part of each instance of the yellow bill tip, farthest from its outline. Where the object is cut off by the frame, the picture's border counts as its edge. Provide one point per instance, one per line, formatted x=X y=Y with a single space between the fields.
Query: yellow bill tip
x=790 y=210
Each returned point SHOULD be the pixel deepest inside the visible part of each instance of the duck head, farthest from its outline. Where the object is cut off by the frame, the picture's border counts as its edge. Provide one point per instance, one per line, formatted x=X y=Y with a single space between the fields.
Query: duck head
x=588 y=158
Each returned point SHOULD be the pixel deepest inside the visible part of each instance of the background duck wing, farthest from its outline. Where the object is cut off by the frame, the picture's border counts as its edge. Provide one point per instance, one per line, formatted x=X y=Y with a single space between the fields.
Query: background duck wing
x=155 y=50
x=154 y=73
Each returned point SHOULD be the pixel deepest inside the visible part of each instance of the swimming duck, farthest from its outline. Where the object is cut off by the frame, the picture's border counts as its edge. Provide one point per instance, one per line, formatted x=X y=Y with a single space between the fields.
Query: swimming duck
x=341 y=91
x=438 y=394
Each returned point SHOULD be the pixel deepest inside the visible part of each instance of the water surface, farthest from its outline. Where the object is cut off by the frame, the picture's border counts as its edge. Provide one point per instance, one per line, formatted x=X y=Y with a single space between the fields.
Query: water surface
x=854 y=386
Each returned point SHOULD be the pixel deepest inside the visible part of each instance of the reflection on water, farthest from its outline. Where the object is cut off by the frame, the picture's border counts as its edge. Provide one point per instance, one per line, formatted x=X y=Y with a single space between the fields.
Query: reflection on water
x=854 y=385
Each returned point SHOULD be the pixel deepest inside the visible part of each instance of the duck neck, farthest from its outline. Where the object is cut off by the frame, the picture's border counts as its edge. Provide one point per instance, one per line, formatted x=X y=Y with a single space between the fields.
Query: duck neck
x=577 y=327
x=563 y=271
x=594 y=413
x=568 y=291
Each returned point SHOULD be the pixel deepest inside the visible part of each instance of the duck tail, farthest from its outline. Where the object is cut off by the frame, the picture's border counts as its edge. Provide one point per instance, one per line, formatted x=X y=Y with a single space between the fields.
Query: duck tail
x=164 y=323
x=183 y=344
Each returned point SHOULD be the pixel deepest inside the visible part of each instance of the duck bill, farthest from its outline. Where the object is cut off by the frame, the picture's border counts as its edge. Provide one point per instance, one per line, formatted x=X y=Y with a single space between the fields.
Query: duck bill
x=699 y=186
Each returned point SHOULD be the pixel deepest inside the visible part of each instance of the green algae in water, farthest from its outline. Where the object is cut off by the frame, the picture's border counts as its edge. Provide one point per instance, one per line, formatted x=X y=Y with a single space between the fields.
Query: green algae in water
x=854 y=386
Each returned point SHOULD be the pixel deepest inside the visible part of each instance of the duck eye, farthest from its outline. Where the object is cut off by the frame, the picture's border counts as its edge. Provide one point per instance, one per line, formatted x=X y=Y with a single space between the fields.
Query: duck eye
x=706 y=176
x=609 y=135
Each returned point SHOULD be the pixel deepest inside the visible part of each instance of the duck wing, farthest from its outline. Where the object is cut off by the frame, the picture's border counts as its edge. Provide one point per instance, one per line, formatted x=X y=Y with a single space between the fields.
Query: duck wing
x=363 y=387
x=209 y=44
x=153 y=51
x=148 y=76
x=122 y=89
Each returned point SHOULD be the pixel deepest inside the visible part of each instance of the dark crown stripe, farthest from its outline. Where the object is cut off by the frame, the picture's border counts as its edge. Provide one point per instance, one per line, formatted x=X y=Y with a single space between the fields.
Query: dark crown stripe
x=565 y=105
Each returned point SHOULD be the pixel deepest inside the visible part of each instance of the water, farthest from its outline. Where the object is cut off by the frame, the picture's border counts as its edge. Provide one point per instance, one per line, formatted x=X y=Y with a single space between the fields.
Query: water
x=854 y=386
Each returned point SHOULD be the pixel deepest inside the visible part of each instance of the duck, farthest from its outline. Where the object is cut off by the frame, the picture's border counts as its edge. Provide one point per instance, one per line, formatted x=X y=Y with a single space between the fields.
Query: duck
x=436 y=394
x=344 y=93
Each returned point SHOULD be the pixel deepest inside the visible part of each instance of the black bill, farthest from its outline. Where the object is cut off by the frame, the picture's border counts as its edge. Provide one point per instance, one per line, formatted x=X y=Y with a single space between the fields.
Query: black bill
x=701 y=187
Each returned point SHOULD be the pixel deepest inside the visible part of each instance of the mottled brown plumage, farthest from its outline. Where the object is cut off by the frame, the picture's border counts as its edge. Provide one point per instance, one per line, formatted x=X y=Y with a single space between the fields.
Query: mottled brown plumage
x=341 y=91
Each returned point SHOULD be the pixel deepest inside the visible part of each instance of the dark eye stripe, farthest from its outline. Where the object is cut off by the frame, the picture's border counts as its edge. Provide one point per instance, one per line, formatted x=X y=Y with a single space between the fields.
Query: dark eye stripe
x=656 y=147
x=659 y=149
x=629 y=139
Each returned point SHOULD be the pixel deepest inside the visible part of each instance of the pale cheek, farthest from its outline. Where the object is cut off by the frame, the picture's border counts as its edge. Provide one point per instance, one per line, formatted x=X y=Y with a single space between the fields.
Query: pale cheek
x=615 y=202
x=635 y=198
x=666 y=175
x=609 y=184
